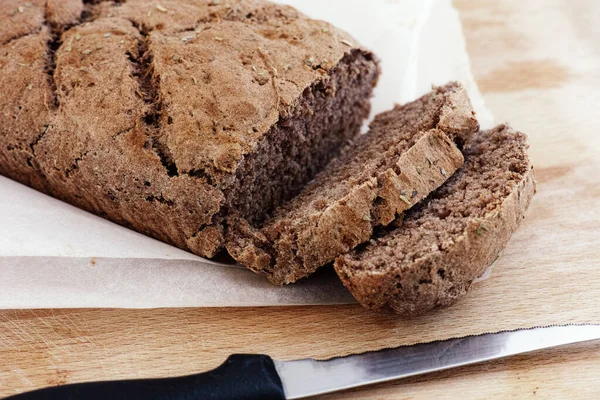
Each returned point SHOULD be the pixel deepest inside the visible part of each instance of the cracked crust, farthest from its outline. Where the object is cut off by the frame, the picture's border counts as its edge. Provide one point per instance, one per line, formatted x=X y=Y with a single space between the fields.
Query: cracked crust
x=408 y=152
x=444 y=244
x=148 y=116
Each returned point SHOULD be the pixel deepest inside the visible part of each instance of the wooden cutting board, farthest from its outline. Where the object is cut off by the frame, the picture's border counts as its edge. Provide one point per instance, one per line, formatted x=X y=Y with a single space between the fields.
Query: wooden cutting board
x=538 y=66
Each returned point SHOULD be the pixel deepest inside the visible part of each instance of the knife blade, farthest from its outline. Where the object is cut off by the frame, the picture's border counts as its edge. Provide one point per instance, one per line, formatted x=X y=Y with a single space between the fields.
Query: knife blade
x=247 y=376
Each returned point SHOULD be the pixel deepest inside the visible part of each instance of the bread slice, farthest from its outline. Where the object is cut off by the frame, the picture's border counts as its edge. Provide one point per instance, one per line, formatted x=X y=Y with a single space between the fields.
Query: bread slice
x=442 y=245
x=408 y=152
x=165 y=119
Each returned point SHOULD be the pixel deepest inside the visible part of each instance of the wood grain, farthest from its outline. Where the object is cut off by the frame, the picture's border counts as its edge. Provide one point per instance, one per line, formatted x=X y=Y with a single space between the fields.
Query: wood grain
x=537 y=63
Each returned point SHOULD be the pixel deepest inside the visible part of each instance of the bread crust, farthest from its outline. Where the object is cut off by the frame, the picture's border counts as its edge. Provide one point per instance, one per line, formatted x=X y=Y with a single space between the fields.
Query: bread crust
x=440 y=277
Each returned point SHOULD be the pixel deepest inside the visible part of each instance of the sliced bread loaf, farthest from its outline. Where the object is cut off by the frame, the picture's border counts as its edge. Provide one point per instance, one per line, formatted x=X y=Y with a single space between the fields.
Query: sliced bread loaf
x=432 y=257
x=165 y=117
x=408 y=152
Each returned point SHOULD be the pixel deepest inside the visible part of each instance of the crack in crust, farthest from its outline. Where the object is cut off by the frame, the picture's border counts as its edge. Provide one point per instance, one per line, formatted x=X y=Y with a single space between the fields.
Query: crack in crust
x=34 y=143
x=55 y=41
x=17 y=37
x=75 y=165
x=143 y=71
x=54 y=44
x=149 y=83
x=94 y=2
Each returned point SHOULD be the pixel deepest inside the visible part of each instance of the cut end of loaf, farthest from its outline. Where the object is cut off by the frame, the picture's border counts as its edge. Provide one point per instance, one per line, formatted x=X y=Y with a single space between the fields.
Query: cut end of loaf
x=379 y=176
x=328 y=114
x=444 y=244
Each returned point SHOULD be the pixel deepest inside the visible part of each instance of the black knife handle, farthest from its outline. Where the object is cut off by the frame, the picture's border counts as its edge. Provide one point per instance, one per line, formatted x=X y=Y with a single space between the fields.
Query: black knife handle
x=241 y=376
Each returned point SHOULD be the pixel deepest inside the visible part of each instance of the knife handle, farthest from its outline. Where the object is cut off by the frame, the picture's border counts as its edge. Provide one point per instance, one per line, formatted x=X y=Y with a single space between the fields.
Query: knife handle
x=241 y=376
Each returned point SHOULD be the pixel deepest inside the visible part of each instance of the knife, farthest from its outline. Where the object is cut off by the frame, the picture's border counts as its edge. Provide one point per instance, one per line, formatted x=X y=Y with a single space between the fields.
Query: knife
x=253 y=376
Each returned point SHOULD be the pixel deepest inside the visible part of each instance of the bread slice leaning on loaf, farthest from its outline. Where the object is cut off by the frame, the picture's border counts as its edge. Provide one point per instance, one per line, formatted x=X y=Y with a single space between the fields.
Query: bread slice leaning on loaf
x=164 y=120
x=443 y=244
x=408 y=152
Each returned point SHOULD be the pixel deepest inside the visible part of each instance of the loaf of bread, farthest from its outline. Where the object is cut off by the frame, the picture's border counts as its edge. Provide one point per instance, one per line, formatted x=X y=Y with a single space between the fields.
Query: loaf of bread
x=433 y=255
x=168 y=117
x=408 y=152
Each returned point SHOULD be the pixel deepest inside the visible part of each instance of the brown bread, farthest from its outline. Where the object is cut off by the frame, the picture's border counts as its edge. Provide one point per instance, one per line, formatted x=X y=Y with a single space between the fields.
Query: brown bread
x=432 y=257
x=166 y=118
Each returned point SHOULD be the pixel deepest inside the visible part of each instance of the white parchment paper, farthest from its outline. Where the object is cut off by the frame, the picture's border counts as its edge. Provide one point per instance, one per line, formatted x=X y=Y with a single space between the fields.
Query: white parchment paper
x=53 y=255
